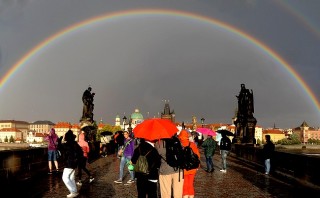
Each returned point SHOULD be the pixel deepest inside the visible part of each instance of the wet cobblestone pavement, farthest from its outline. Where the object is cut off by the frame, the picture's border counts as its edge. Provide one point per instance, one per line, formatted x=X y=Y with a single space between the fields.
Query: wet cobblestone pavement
x=241 y=180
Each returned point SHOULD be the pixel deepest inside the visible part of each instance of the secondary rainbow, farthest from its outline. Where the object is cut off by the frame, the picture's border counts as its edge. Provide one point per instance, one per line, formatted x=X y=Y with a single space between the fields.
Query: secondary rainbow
x=161 y=12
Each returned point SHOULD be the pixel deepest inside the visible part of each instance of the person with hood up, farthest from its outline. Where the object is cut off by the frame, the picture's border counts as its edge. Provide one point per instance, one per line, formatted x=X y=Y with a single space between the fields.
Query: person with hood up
x=189 y=175
x=52 y=139
x=209 y=146
x=82 y=163
x=73 y=153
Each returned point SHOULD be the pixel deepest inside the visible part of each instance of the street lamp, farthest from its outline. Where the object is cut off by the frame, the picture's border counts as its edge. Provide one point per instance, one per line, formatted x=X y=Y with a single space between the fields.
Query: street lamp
x=130 y=127
x=124 y=122
x=202 y=122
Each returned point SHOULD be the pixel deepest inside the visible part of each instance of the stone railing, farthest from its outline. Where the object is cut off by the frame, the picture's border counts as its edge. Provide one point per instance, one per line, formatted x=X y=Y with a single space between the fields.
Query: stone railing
x=23 y=163
x=19 y=164
x=302 y=168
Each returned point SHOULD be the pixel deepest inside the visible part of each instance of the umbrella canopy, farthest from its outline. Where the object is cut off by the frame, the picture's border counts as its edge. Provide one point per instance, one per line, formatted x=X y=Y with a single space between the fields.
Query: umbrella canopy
x=105 y=133
x=226 y=132
x=154 y=129
x=206 y=131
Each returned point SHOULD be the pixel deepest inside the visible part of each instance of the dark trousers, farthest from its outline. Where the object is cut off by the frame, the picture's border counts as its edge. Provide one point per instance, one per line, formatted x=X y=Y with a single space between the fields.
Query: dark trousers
x=209 y=163
x=82 y=166
x=146 y=187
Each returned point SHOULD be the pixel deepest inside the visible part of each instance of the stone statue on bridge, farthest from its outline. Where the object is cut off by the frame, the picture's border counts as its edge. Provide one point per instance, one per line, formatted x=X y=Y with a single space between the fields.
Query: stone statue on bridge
x=88 y=106
x=245 y=121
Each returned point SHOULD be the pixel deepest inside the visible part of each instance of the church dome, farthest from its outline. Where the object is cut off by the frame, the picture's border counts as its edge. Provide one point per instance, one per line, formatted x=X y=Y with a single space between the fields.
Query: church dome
x=136 y=115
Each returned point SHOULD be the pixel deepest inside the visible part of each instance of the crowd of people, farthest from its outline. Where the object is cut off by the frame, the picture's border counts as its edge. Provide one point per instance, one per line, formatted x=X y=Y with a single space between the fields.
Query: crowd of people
x=170 y=181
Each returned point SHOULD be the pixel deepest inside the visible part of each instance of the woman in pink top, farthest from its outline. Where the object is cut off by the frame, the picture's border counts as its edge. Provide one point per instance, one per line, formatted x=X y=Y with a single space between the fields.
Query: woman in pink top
x=82 y=162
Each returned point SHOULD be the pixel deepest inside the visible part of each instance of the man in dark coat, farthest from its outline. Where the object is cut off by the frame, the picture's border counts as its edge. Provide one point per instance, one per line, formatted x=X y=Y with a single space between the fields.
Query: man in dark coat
x=209 y=146
x=268 y=150
x=147 y=183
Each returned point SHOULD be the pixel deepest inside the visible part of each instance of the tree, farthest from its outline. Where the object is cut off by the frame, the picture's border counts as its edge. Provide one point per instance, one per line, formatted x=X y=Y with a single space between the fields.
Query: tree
x=11 y=139
x=6 y=139
x=293 y=139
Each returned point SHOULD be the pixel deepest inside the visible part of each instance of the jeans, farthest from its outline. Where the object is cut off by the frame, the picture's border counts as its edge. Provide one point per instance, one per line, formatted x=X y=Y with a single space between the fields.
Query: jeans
x=267 y=165
x=123 y=162
x=224 y=154
x=209 y=163
x=52 y=156
x=68 y=177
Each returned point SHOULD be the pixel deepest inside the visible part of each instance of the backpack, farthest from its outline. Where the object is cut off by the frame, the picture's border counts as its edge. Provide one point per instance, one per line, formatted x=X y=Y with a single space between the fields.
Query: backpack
x=191 y=160
x=142 y=165
x=174 y=152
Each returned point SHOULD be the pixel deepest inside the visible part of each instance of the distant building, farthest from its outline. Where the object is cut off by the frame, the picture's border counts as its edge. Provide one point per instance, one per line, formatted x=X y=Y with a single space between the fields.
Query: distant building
x=35 y=137
x=275 y=134
x=7 y=133
x=16 y=124
x=62 y=127
x=305 y=132
x=258 y=134
x=41 y=126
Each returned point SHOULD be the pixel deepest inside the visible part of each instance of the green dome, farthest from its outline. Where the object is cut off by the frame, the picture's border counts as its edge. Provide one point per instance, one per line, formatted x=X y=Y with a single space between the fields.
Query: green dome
x=136 y=115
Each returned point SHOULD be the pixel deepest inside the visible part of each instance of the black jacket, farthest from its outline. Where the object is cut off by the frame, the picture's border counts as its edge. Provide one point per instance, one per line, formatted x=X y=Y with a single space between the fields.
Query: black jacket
x=153 y=158
x=72 y=154
x=225 y=143
x=268 y=150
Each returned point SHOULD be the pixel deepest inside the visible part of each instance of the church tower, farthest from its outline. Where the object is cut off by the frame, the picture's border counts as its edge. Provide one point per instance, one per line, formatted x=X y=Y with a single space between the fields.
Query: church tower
x=117 y=123
x=167 y=114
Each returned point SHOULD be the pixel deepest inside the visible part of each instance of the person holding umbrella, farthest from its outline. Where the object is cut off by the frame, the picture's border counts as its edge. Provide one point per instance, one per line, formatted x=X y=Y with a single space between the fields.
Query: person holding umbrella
x=151 y=131
x=209 y=146
x=225 y=147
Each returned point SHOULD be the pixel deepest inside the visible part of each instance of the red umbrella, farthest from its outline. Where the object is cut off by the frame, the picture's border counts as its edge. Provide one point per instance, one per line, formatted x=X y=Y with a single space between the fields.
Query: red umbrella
x=155 y=128
x=206 y=131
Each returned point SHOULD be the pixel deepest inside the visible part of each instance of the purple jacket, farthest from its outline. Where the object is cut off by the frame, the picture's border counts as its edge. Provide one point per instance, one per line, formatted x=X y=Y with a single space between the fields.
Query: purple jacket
x=128 y=152
x=52 y=139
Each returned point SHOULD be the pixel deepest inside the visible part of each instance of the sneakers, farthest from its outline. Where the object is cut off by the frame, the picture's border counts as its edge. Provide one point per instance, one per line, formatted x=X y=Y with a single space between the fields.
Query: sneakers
x=73 y=195
x=119 y=181
x=50 y=173
x=79 y=183
x=91 y=179
x=224 y=171
x=130 y=181
x=267 y=173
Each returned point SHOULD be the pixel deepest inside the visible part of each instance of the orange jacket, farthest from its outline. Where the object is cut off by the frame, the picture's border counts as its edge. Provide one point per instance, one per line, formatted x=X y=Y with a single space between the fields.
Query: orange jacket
x=184 y=139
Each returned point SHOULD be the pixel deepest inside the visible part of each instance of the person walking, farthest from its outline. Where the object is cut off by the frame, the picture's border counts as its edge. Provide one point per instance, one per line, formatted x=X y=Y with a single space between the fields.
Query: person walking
x=268 y=149
x=225 y=147
x=127 y=152
x=147 y=184
x=209 y=146
x=72 y=152
x=189 y=175
x=83 y=161
x=52 y=139
x=170 y=179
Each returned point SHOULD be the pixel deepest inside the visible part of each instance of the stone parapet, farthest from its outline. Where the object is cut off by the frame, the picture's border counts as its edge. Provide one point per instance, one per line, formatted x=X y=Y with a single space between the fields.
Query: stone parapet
x=300 y=167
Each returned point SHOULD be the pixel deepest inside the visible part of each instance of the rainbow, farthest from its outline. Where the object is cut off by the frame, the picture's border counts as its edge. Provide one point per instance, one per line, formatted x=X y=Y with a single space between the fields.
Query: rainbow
x=161 y=12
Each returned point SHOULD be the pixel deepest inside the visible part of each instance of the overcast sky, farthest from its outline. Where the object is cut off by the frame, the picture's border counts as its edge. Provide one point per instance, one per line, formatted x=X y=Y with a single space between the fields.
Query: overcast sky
x=138 y=61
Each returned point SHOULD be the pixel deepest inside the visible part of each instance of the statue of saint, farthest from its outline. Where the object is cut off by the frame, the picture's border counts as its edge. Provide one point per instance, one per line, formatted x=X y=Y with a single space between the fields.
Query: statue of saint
x=87 y=99
x=245 y=102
